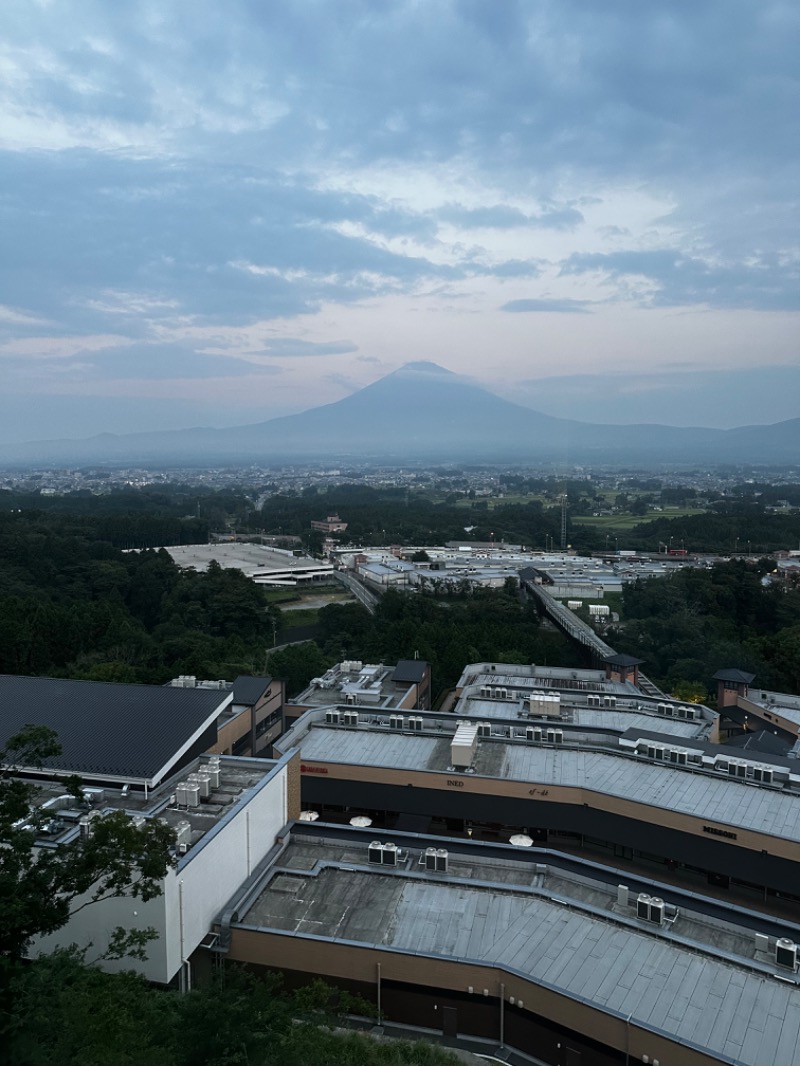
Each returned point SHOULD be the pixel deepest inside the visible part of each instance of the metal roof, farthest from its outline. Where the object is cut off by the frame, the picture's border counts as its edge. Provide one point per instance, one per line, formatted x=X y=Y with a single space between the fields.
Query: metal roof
x=133 y=732
x=697 y=995
x=249 y=690
x=699 y=795
x=410 y=670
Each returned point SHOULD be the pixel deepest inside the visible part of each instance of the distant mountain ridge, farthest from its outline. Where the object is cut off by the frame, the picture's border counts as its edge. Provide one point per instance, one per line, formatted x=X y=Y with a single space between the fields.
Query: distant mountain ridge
x=423 y=411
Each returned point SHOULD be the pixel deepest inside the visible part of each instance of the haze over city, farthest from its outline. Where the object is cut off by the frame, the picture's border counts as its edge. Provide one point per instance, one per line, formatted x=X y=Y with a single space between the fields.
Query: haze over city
x=216 y=215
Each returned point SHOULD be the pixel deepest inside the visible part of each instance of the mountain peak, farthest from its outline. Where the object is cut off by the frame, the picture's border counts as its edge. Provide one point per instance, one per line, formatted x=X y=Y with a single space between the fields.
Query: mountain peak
x=424 y=366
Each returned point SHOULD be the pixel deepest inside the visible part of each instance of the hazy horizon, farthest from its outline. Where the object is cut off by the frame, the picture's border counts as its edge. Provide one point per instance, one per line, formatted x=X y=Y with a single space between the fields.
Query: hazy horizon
x=216 y=217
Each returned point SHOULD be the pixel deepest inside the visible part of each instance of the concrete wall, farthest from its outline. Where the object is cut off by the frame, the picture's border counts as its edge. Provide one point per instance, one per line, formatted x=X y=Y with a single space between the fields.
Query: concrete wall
x=212 y=871
x=195 y=891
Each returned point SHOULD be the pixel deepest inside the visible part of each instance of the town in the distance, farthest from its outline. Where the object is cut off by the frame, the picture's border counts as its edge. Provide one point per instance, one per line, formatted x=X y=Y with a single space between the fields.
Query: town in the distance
x=510 y=752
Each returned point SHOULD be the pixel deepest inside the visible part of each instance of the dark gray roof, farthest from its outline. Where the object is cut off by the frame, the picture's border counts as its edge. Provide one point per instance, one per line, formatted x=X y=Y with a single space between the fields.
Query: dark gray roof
x=622 y=660
x=410 y=670
x=774 y=754
x=761 y=741
x=128 y=731
x=734 y=675
x=249 y=690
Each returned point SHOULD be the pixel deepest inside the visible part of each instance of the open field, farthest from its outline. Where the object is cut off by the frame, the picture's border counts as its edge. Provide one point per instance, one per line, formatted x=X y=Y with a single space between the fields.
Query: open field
x=611 y=523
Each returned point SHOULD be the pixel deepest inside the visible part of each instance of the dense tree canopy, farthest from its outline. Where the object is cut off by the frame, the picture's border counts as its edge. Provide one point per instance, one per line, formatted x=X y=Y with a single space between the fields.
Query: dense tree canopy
x=69 y=1015
x=72 y=604
x=698 y=621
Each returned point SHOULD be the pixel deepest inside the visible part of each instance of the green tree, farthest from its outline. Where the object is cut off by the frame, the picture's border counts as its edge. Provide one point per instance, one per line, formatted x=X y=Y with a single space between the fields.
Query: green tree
x=41 y=888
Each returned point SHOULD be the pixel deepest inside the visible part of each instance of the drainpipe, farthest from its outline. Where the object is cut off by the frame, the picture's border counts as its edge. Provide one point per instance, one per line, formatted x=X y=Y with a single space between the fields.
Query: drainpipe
x=186 y=966
x=502 y=1014
x=380 y=1012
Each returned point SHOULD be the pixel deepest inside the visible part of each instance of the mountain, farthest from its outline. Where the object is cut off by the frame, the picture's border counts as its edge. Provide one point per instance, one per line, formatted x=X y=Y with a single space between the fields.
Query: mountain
x=423 y=411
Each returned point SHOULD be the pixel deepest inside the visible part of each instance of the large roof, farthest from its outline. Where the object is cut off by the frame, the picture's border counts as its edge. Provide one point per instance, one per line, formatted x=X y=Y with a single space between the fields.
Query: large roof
x=698 y=982
x=705 y=796
x=134 y=732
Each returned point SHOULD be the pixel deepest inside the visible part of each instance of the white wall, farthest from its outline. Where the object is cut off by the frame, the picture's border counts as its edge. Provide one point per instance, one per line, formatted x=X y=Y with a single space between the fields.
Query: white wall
x=215 y=868
x=194 y=892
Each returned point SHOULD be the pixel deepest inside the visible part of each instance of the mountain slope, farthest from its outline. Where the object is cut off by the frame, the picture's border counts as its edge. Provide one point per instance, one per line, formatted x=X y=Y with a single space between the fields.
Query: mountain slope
x=424 y=411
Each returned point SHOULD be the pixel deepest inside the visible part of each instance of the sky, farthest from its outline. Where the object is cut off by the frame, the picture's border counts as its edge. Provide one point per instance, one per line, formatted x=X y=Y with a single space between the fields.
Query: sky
x=215 y=214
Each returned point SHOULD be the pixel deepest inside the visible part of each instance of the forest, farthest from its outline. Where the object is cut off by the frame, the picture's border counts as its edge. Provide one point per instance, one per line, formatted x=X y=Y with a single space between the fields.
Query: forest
x=697 y=621
x=60 y=1012
x=73 y=604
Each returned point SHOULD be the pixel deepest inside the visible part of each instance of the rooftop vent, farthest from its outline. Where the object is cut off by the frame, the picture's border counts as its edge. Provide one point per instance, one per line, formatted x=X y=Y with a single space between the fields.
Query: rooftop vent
x=786 y=953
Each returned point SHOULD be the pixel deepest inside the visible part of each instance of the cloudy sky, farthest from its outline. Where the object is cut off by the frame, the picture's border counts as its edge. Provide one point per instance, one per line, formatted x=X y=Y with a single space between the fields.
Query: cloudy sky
x=215 y=213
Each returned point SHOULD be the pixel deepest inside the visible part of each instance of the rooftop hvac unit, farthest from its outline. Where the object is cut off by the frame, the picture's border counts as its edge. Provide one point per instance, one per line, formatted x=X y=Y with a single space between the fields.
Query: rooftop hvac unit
x=416 y=723
x=678 y=757
x=441 y=861
x=183 y=833
x=661 y=708
x=537 y=733
x=623 y=896
x=484 y=729
x=85 y=824
x=762 y=942
x=138 y=822
x=204 y=784
x=350 y=698
x=332 y=717
x=529 y=733
x=763 y=774
x=375 y=852
x=464 y=745
x=737 y=769
x=610 y=701
x=93 y=795
x=786 y=953
x=593 y=700
x=657 y=910
x=643 y=906
x=351 y=717
x=180 y=794
x=390 y=855
x=396 y=721
x=430 y=858
x=192 y=795
x=555 y=736
x=655 y=752
x=486 y=692
x=213 y=774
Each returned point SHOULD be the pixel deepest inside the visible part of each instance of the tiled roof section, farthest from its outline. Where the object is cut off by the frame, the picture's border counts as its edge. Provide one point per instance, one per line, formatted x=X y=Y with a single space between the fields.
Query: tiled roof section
x=410 y=670
x=249 y=690
x=734 y=675
x=622 y=660
x=117 y=730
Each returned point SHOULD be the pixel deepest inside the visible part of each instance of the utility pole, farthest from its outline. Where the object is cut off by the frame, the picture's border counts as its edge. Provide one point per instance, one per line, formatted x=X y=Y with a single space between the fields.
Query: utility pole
x=563 y=521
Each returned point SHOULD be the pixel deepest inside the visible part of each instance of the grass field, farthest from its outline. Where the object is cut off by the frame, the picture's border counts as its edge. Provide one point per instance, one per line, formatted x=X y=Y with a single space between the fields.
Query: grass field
x=611 y=523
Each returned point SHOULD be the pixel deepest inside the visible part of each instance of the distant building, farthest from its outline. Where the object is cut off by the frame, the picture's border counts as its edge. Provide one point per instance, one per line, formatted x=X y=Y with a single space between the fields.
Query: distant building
x=332 y=524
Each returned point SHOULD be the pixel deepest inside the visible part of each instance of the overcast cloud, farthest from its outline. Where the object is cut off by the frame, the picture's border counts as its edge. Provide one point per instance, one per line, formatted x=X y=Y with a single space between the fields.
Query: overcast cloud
x=216 y=214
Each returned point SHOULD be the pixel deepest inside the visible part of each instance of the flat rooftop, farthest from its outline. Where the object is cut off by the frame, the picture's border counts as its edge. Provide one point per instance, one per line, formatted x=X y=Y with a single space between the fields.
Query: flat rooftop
x=772 y=811
x=251 y=559
x=699 y=979
x=238 y=777
x=366 y=685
